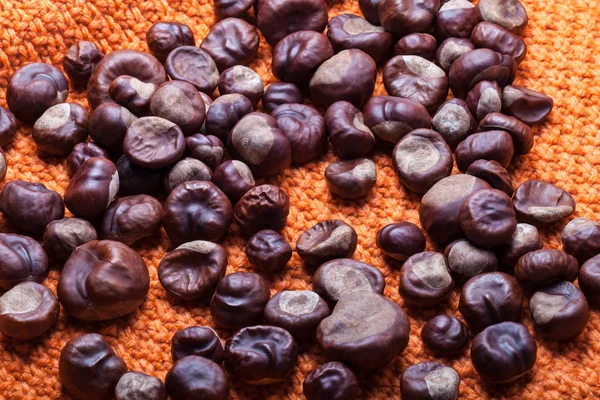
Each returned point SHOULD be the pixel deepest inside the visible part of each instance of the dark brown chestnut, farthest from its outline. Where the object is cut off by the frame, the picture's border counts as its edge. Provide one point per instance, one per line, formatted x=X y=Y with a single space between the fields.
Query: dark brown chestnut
x=139 y=386
x=83 y=152
x=199 y=341
x=62 y=236
x=262 y=207
x=231 y=42
x=331 y=381
x=491 y=36
x=402 y=17
x=242 y=80
x=484 y=98
x=416 y=44
x=22 y=259
x=234 y=178
x=429 y=380
x=490 y=145
x=279 y=93
x=278 y=18
x=525 y=239
x=134 y=179
x=225 y=113
x=456 y=18
x=541 y=203
x=232 y=8
x=450 y=50
x=520 y=132
x=208 y=149
x=370 y=9
x=108 y=125
x=493 y=173
x=351 y=179
x=390 y=118
x=194 y=65
x=8 y=126
x=268 y=251
x=425 y=279
x=327 y=240
x=509 y=14
x=466 y=260
x=454 y=121
x=581 y=239
x=132 y=94
x=539 y=267
x=445 y=335
x=348 y=134
x=164 y=37
x=60 y=128
x=527 y=105
x=129 y=219
x=80 y=61
x=349 y=31
x=181 y=103
x=401 y=240
x=589 y=280
x=187 y=169
x=195 y=377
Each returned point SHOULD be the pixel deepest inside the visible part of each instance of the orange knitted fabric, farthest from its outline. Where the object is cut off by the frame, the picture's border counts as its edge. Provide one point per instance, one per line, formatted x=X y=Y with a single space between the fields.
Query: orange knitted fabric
x=563 y=61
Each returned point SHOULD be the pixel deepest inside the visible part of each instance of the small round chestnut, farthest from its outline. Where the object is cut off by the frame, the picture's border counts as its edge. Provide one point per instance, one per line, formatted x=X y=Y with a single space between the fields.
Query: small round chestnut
x=493 y=173
x=132 y=94
x=268 y=251
x=541 y=203
x=527 y=105
x=62 y=236
x=231 y=42
x=327 y=240
x=129 y=219
x=450 y=50
x=391 y=118
x=8 y=126
x=445 y=335
x=208 y=149
x=193 y=65
x=187 y=169
x=484 y=98
x=331 y=381
x=429 y=380
x=195 y=377
x=581 y=239
x=27 y=311
x=503 y=352
x=349 y=31
x=525 y=239
x=279 y=93
x=80 y=61
x=351 y=179
x=348 y=134
x=509 y=14
x=402 y=17
x=139 y=386
x=262 y=207
x=589 y=280
x=197 y=341
x=454 y=122
x=108 y=125
x=134 y=179
x=370 y=9
x=242 y=80
x=401 y=240
x=164 y=37
x=180 y=103
x=225 y=113
x=425 y=279
x=234 y=178
x=520 y=132
x=83 y=152
x=466 y=260
x=539 y=267
x=232 y=8
x=456 y=18
x=22 y=259
x=494 y=37
x=490 y=145
x=416 y=44
x=60 y=128
x=277 y=19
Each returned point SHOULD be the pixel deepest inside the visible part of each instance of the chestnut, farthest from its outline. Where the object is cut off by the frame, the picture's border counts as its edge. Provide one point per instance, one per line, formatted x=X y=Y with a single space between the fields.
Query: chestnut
x=225 y=112
x=29 y=206
x=527 y=105
x=8 y=126
x=199 y=341
x=81 y=373
x=454 y=122
x=22 y=259
x=348 y=134
x=108 y=125
x=370 y=9
x=242 y=80
x=80 y=61
x=195 y=377
x=327 y=240
x=401 y=240
x=139 y=386
x=484 y=98
x=187 y=169
x=239 y=300
x=366 y=331
x=268 y=251
x=425 y=279
x=189 y=111
x=493 y=173
x=331 y=381
x=232 y=41
x=232 y=8
x=336 y=278
x=429 y=380
x=494 y=37
x=503 y=352
x=489 y=145
x=62 y=236
x=581 y=239
x=234 y=178
x=33 y=89
x=349 y=31
x=421 y=159
x=546 y=265
x=102 y=280
x=193 y=65
x=521 y=133
x=456 y=18
x=390 y=118
x=164 y=37
x=509 y=14
x=351 y=179
x=262 y=207
x=60 y=128
x=416 y=44
x=206 y=148
x=27 y=311
x=93 y=187
x=525 y=239
x=83 y=152
x=445 y=335
x=279 y=93
x=139 y=180
x=589 y=280
x=402 y=17
x=349 y=75
x=196 y=210
x=128 y=219
x=466 y=260
x=541 y=203
x=278 y=18
x=490 y=298
x=132 y=94
x=450 y=50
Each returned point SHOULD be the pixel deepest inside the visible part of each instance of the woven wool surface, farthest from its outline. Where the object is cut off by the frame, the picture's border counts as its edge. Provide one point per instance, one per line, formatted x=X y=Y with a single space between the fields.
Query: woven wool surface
x=563 y=61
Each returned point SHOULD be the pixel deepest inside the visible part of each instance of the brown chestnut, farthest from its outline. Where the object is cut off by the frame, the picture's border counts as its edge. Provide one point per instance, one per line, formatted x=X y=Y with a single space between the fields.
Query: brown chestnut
x=164 y=37
x=187 y=169
x=589 y=280
x=128 y=219
x=466 y=260
x=194 y=65
x=539 y=267
x=60 y=128
x=445 y=335
x=416 y=44
x=429 y=380
x=234 y=178
x=520 y=132
x=108 y=125
x=331 y=381
x=231 y=42
x=62 y=236
x=509 y=14
x=206 y=148
x=83 y=152
x=456 y=18
x=327 y=240
x=139 y=386
x=225 y=112
x=232 y=8
x=348 y=134
x=268 y=251
x=425 y=279
x=278 y=18
x=527 y=105
x=581 y=239
x=195 y=377
x=197 y=341
x=262 y=207
x=494 y=37
x=401 y=240
x=8 y=126
x=525 y=239
x=349 y=31
x=80 y=61
x=181 y=103
x=242 y=80
x=351 y=179
x=493 y=173
x=279 y=93
x=485 y=98
x=454 y=121
x=450 y=50
x=132 y=94
x=22 y=259
x=134 y=179
x=402 y=17
x=541 y=203
x=490 y=145
x=370 y=9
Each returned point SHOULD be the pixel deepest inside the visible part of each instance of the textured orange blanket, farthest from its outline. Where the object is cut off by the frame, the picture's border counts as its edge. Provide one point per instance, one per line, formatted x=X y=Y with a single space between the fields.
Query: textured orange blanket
x=563 y=61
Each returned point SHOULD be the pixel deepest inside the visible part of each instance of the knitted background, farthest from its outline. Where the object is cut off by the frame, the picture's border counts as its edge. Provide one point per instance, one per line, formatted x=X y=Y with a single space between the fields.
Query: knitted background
x=563 y=61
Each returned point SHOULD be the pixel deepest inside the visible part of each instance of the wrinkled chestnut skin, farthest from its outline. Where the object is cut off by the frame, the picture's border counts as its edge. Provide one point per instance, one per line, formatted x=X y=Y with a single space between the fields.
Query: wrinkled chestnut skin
x=525 y=239
x=445 y=335
x=589 y=280
x=485 y=98
x=186 y=169
x=138 y=180
x=416 y=44
x=503 y=352
x=348 y=134
x=489 y=299
x=487 y=217
x=140 y=65
x=208 y=149
x=231 y=42
x=8 y=126
x=278 y=18
x=450 y=50
x=194 y=65
x=440 y=206
x=454 y=122
x=559 y=310
x=480 y=65
x=190 y=110
x=336 y=278
x=297 y=311
x=192 y=270
x=225 y=112
x=139 y=386
x=421 y=159
x=541 y=203
x=527 y=105
x=401 y=240
x=327 y=240
x=163 y=37
x=546 y=265
x=268 y=251
x=29 y=207
x=366 y=331
x=131 y=218
x=425 y=279
x=390 y=118
x=102 y=280
x=232 y=8
x=331 y=381
x=402 y=17
x=349 y=31
x=261 y=355
x=351 y=179
x=27 y=311
x=262 y=207
x=239 y=300
x=493 y=173
x=581 y=239
x=62 y=236
x=33 y=89
x=92 y=188
x=22 y=259
x=509 y=14
x=305 y=129
x=494 y=37
x=197 y=341
x=60 y=128
x=521 y=133
x=242 y=80
x=417 y=79
x=490 y=145
x=89 y=368
x=370 y=9
x=195 y=377
x=153 y=142
x=196 y=210
x=279 y=93
x=298 y=55
x=80 y=61
x=132 y=94
x=456 y=18
x=83 y=152
x=349 y=75
x=234 y=178
x=429 y=380
x=467 y=260
x=108 y=125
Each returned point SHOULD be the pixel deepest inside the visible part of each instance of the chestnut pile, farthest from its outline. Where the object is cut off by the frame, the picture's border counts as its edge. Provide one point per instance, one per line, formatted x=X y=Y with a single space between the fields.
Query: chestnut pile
x=165 y=152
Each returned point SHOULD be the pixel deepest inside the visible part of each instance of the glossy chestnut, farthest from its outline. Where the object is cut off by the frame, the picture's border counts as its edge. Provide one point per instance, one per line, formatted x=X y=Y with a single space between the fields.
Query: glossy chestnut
x=232 y=8
x=494 y=37
x=466 y=260
x=199 y=341
x=197 y=377
x=234 y=178
x=370 y=9
x=268 y=251
x=164 y=37
x=242 y=80
x=401 y=240
x=108 y=125
x=8 y=126
x=521 y=133
x=193 y=65
x=348 y=134
x=493 y=173
x=132 y=94
x=190 y=110
x=491 y=145
x=351 y=179
x=262 y=207
x=62 y=236
x=525 y=239
x=60 y=128
x=279 y=93
x=231 y=42
x=139 y=386
x=416 y=44
x=456 y=18
x=331 y=381
x=83 y=152
x=402 y=17
x=541 y=203
x=484 y=98
x=509 y=14
x=429 y=380
x=349 y=31
x=539 y=267
x=22 y=259
x=391 y=118
x=153 y=142
x=425 y=279
x=278 y=18
x=206 y=148
x=454 y=122
x=589 y=280
x=450 y=50
x=134 y=179
x=445 y=335
x=327 y=240
x=581 y=239
x=80 y=61
x=527 y=105
x=187 y=169
x=129 y=219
